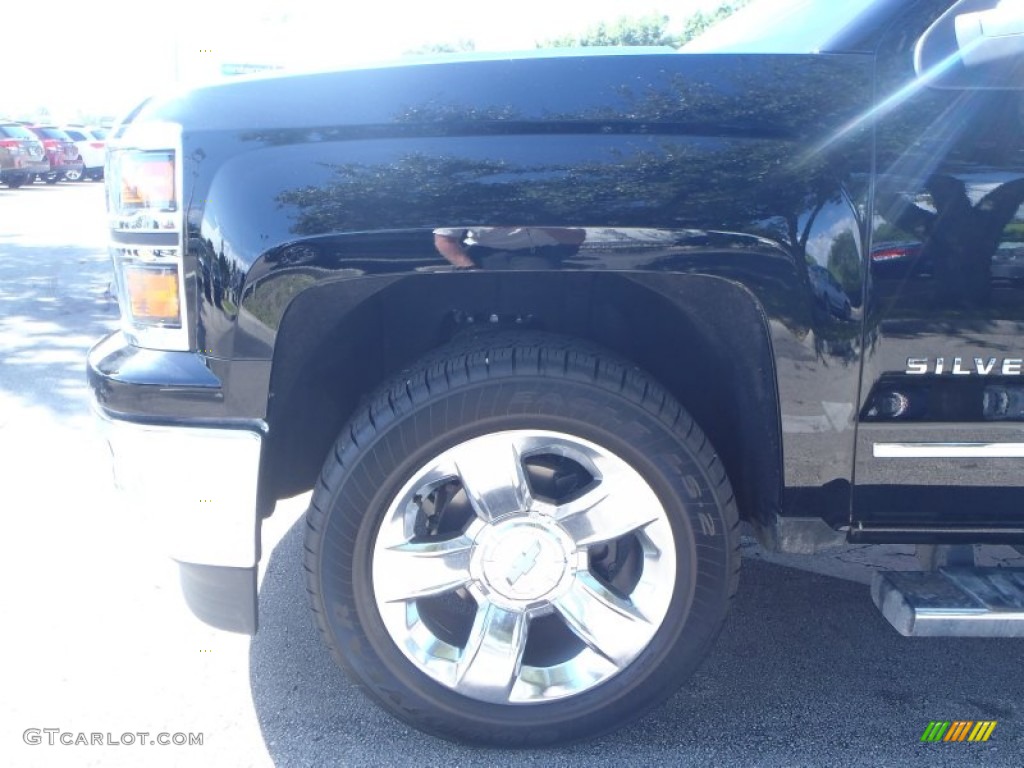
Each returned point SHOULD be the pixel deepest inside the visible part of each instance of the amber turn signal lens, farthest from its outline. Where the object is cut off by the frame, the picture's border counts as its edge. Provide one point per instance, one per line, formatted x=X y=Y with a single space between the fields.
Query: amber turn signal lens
x=153 y=294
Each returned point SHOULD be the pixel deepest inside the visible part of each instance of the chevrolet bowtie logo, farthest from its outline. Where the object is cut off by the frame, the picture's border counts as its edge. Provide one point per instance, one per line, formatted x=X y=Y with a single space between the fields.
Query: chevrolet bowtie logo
x=523 y=564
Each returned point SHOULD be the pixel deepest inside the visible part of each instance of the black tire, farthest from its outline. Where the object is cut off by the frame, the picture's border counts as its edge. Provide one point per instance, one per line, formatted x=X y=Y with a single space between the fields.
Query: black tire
x=53 y=178
x=537 y=384
x=16 y=181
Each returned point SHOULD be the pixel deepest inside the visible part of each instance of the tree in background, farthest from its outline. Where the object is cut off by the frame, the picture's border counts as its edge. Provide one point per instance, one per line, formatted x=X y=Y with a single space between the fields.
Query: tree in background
x=41 y=114
x=701 y=21
x=646 y=30
x=455 y=46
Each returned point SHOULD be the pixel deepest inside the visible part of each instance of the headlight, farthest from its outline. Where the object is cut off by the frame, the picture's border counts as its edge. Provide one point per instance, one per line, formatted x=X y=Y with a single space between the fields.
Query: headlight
x=141 y=191
x=145 y=217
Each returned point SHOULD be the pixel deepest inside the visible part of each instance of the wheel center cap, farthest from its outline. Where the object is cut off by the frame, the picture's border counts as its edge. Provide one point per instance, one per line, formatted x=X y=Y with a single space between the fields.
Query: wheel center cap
x=524 y=559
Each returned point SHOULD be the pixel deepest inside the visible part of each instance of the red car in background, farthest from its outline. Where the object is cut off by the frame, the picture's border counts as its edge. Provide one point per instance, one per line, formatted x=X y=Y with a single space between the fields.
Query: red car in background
x=21 y=155
x=61 y=152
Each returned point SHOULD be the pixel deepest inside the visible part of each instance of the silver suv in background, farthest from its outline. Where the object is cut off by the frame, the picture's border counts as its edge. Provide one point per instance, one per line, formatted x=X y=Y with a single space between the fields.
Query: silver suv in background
x=92 y=148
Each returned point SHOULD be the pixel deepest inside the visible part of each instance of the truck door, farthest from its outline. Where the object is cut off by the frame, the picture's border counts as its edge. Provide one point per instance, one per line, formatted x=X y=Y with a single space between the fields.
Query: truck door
x=940 y=445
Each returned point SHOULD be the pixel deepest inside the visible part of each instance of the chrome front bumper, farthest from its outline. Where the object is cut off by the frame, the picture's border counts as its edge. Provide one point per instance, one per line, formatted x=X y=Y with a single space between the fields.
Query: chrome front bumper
x=198 y=486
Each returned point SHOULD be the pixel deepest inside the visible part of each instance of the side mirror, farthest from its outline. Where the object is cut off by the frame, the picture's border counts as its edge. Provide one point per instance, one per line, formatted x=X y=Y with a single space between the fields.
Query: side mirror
x=976 y=44
x=985 y=37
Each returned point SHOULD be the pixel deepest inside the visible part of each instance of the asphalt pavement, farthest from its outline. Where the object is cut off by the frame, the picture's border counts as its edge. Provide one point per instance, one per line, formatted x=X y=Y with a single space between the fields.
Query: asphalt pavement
x=96 y=638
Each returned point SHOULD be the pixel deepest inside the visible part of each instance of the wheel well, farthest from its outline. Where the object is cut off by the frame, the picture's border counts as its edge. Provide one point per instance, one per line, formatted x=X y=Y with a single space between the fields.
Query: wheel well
x=704 y=338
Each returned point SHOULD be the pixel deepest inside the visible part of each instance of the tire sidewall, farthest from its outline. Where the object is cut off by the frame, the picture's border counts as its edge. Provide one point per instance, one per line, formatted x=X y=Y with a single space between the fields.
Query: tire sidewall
x=413 y=437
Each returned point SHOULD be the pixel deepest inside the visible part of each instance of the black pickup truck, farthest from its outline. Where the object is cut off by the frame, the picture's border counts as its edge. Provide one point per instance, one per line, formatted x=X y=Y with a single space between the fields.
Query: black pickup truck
x=540 y=332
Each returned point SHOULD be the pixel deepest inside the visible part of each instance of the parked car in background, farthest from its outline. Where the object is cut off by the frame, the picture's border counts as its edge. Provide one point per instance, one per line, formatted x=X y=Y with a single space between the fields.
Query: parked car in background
x=899 y=259
x=1008 y=262
x=21 y=155
x=92 y=148
x=61 y=152
x=829 y=294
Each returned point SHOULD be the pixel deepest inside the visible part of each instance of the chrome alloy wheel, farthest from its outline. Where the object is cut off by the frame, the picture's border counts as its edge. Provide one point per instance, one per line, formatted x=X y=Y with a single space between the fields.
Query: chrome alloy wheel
x=524 y=566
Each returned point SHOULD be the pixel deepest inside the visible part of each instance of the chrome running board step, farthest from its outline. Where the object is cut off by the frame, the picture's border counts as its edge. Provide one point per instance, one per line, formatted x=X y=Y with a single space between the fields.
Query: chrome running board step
x=952 y=602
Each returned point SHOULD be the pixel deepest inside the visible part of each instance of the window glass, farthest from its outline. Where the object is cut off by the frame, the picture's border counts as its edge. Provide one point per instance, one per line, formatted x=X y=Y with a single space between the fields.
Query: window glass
x=12 y=131
x=52 y=133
